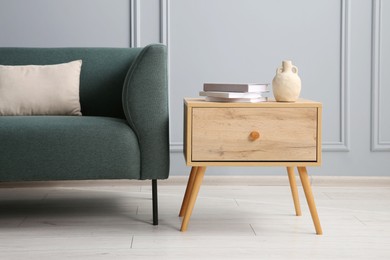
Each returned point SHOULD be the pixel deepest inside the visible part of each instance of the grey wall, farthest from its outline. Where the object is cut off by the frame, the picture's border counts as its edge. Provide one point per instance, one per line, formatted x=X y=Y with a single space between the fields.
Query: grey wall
x=69 y=23
x=341 y=48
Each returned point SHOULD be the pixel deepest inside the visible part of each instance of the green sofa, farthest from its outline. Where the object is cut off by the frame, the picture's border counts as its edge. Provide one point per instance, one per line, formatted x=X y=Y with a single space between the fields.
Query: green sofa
x=123 y=132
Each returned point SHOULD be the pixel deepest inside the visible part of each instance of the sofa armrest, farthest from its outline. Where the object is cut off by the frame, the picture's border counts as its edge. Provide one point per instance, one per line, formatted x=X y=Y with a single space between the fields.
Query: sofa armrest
x=145 y=104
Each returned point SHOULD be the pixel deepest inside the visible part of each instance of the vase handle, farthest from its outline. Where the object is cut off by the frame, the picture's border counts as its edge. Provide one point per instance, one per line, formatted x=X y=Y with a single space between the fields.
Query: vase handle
x=279 y=70
x=294 y=69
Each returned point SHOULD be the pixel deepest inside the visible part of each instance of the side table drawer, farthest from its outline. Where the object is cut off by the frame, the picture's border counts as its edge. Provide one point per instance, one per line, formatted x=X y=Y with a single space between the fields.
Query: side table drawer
x=263 y=134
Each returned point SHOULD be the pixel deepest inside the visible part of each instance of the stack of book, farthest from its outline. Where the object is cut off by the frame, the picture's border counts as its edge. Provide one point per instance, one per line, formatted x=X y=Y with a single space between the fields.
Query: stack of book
x=225 y=92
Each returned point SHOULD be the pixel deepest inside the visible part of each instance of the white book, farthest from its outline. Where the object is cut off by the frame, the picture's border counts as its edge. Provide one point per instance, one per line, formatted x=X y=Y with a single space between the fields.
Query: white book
x=231 y=87
x=232 y=94
x=236 y=100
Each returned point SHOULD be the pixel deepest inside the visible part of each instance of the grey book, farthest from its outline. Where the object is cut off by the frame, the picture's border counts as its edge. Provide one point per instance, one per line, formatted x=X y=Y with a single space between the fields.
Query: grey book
x=229 y=87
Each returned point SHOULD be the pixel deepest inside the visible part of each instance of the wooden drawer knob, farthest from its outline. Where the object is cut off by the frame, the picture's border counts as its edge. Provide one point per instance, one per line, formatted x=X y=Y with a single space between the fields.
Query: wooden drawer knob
x=254 y=135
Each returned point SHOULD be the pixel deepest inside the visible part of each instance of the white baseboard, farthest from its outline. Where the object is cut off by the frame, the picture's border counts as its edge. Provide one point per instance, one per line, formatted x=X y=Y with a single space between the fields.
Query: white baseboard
x=324 y=181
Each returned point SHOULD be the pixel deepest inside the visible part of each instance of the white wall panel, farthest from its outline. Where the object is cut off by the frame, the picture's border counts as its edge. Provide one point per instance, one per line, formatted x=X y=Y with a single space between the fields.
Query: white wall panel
x=58 y=23
x=381 y=78
x=245 y=41
x=385 y=75
x=150 y=21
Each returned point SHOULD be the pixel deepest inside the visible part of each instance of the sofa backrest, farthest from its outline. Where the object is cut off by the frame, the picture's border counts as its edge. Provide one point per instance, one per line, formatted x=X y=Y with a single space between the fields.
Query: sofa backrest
x=102 y=73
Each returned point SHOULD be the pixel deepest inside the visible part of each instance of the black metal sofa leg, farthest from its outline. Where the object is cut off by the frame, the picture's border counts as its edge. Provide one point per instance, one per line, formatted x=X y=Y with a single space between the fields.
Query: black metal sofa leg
x=155 y=203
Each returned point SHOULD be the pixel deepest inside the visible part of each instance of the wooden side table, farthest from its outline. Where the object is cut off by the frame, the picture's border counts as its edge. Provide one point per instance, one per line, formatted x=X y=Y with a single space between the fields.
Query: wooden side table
x=252 y=134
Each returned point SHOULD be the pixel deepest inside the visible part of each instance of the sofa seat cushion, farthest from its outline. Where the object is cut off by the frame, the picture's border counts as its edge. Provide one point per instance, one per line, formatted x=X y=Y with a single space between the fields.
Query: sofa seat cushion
x=67 y=148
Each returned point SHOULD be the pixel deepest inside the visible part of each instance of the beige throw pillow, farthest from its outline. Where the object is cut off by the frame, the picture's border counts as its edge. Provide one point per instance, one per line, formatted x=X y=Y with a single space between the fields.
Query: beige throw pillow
x=40 y=89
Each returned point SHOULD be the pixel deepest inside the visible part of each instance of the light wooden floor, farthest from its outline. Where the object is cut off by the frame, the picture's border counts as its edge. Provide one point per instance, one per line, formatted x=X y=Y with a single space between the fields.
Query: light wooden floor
x=244 y=218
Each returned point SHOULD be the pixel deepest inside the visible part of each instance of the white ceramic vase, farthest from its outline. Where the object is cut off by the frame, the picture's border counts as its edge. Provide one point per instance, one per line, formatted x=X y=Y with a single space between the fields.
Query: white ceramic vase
x=286 y=84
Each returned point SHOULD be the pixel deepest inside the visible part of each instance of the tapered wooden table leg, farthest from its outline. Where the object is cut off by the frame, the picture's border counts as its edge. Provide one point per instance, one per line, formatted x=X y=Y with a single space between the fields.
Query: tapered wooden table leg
x=310 y=199
x=294 y=190
x=193 y=195
x=190 y=184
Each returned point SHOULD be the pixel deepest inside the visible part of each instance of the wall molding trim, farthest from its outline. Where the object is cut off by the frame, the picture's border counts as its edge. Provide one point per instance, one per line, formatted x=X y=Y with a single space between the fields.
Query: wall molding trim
x=164 y=22
x=176 y=147
x=165 y=39
x=343 y=144
x=135 y=23
x=377 y=145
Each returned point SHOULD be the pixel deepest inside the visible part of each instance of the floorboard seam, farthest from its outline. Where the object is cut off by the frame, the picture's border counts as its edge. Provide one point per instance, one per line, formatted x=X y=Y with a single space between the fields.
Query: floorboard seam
x=253 y=229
